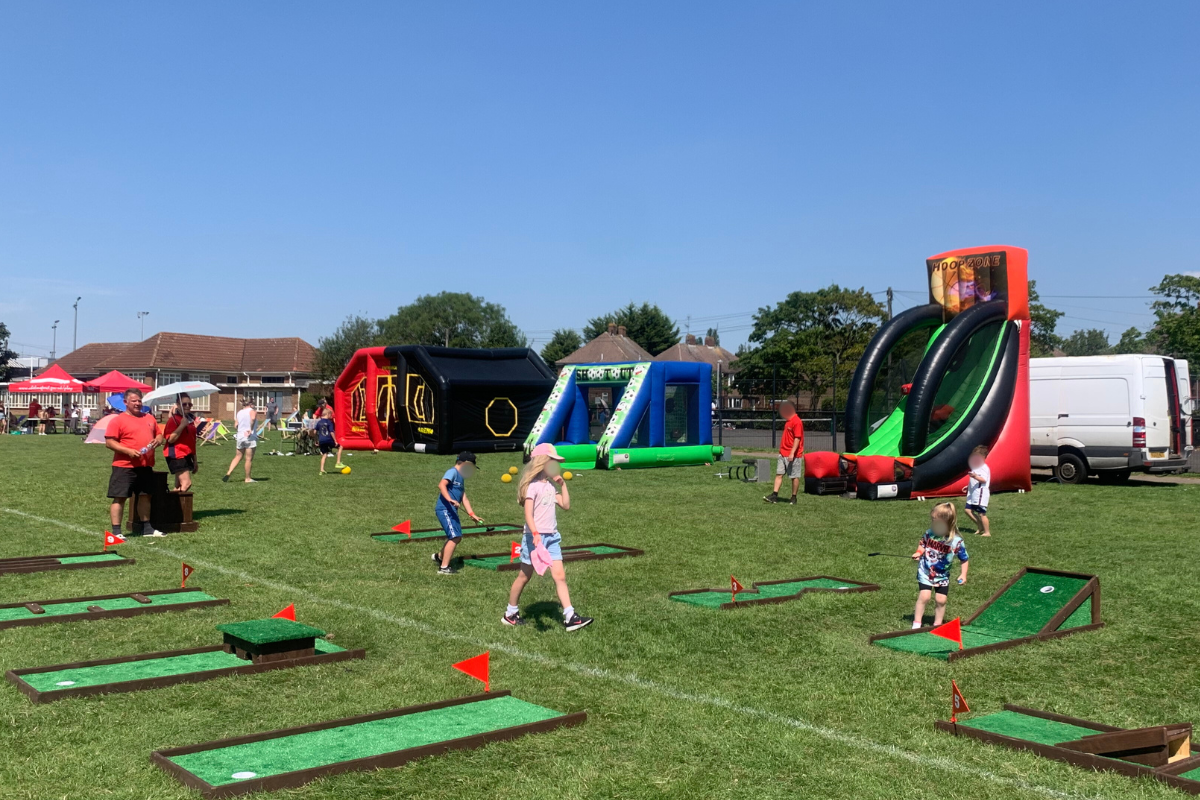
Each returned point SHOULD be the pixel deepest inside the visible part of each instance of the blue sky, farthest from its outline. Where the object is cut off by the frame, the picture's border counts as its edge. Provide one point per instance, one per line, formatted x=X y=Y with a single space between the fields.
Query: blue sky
x=267 y=169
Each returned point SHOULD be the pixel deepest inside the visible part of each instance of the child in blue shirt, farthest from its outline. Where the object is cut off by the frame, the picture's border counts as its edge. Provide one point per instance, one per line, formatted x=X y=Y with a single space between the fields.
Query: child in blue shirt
x=940 y=545
x=452 y=493
x=326 y=440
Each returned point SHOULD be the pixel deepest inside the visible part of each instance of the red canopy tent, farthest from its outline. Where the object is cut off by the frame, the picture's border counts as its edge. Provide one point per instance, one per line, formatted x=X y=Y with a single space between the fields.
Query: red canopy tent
x=54 y=381
x=114 y=381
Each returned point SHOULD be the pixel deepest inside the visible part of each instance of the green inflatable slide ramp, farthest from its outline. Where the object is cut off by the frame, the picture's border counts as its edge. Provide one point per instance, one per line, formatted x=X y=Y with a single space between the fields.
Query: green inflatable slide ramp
x=108 y=558
x=770 y=592
x=1161 y=752
x=1035 y=604
x=105 y=606
x=393 y=537
x=292 y=757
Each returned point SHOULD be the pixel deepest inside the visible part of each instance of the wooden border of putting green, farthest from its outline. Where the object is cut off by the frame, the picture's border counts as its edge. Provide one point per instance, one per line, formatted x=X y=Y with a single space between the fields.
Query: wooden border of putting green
x=46 y=619
x=491 y=530
x=15 y=676
x=1168 y=774
x=858 y=586
x=570 y=553
x=44 y=563
x=396 y=758
x=1090 y=590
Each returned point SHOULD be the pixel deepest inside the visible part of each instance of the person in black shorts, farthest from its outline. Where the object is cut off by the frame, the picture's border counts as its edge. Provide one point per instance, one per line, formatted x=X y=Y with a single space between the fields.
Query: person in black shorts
x=133 y=438
x=326 y=440
x=180 y=449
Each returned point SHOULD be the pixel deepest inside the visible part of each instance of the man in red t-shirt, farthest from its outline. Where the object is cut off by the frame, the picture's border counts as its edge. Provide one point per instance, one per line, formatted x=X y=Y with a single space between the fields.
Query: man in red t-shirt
x=180 y=450
x=791 y=450
x=35 y=411
x=133 y=437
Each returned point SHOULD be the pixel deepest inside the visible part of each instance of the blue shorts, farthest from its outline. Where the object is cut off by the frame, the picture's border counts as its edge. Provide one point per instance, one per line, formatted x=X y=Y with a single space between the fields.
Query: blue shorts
x=448 y=518
x=551 y=541
x=977 y=509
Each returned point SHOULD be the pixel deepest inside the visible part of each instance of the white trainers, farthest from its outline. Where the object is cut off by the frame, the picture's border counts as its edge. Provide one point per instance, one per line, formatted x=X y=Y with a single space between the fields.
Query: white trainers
x=155 y=533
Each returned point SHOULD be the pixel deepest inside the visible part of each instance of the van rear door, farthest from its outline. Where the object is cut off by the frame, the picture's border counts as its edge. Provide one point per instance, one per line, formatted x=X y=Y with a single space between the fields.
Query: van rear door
x=1157 y=406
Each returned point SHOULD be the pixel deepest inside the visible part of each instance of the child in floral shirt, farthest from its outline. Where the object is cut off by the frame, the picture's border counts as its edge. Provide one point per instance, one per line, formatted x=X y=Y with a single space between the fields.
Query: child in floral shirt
x=940 y=545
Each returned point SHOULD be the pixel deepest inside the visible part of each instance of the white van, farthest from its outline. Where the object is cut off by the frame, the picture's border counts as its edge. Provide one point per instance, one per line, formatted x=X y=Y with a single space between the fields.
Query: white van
x=1109 y=415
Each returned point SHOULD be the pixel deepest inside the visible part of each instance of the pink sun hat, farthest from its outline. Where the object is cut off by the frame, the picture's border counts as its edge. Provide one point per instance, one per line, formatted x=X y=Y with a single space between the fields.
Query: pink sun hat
x=546 y=449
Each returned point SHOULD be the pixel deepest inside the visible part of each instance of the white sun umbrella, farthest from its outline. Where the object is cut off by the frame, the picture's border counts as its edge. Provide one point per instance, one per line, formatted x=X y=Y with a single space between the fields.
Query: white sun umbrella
x=173 y=390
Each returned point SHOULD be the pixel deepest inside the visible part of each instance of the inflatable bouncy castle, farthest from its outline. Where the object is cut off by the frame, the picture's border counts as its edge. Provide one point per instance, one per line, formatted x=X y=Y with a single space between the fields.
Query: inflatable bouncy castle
x=629 y=415
x=936 y=381
x=439 y=399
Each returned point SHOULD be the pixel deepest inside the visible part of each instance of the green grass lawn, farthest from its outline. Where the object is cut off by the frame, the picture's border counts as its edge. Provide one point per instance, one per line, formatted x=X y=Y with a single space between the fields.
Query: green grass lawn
x=684 y=702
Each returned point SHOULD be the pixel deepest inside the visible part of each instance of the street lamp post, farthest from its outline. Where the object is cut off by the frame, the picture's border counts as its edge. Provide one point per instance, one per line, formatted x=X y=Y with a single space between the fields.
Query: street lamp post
x=75 y=328
x=142 y=319
x=54 y=345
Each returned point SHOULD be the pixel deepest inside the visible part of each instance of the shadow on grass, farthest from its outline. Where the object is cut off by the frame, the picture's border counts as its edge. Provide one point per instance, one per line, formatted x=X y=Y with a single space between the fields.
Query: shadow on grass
x=544 y=615
x=216 y=512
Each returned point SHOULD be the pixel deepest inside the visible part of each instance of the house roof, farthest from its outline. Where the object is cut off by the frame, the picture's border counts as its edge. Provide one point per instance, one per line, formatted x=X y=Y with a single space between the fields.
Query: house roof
x=692 y=350
x=611 y=346
x=189 y=352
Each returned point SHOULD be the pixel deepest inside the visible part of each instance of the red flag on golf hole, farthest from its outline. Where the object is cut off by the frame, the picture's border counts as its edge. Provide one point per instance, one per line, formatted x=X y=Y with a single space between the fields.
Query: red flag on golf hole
x=515 y=552
x=187 y=573
x=404 y=527
x=736 y=587
x=952 y=630
x=477 y=667
x=958 y=703
x=111 y=539
x=287 y=613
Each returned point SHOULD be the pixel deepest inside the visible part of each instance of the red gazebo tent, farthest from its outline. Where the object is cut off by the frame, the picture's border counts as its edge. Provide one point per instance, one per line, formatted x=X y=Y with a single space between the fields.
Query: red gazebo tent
x=115 y=381
x=53 y=381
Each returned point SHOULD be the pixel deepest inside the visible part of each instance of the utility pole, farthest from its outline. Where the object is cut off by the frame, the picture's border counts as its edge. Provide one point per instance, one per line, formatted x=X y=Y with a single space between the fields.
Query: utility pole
x=889 y=358
x=833 y=409
x=75 y=330
x=142 y=319
x=54 y=346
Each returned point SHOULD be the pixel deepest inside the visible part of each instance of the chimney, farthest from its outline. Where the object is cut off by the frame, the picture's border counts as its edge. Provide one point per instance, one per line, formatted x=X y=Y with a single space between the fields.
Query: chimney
x=620 y=330
x=612 y=328
x=709 y=342
x=691 y=339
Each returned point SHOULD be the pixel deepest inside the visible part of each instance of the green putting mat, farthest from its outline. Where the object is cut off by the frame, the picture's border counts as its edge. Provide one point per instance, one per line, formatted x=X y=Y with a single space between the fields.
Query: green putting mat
x=90 y=558
x=112 y=604
x=438 y=533
x=267 y=631
x=81 y=677
x=301 y=751
x=497 y=561
x=1023 y=726
x=717 y=599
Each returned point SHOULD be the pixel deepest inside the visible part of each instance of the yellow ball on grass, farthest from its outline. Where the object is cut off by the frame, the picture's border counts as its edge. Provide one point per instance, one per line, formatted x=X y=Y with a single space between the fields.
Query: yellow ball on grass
x=513 y=470
x=506 y=478
x=345 y=470
x=567 y=475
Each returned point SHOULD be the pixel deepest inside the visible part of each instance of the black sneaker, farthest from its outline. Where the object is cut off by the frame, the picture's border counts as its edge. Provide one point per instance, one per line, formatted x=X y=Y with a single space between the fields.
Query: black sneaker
x=447 y=571
x=224 y=479
x=513 y=619
x=576 y=622
x=437 y=558
x=792 y=502
x=773 y=497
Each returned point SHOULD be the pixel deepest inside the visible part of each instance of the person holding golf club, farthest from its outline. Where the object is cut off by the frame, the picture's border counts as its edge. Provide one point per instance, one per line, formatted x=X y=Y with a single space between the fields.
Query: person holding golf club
x=940 y=545
x=791 y=452
x=538 y=493
x=452 y=493
x=326 y=439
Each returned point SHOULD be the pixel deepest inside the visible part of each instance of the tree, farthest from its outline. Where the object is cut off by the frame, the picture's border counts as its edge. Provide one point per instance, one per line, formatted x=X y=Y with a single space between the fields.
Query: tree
x=1042 y=339
x=1132 y=341
x=334 y=351
x=713 y=334
x=1090 y=342
x=451 y=319
x=1176 y=330
x=797 y=345
x=7 y=371
x=564 y=342
x=646 y=324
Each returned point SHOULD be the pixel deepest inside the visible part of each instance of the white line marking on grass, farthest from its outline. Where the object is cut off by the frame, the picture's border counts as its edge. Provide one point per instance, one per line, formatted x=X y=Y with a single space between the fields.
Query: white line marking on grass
x=629 y=679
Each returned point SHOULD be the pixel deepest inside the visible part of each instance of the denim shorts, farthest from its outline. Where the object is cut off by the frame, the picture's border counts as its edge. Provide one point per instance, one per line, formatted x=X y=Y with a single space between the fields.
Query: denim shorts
x=448 y=518
x=551 y=541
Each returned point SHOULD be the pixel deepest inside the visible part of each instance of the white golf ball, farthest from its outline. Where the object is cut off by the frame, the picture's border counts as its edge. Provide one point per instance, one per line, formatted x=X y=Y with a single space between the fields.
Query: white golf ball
x=65 y=683
x=241 y=776
x=1047 y=589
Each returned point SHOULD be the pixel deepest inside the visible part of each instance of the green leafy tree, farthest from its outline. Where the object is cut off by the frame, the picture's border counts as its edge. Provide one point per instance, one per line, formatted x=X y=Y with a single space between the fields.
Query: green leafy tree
x=1176 y=330
x=1132 y=341
x=451 y=319
x=1090 y=342
x=1042 y=339
x=7 y=371
x=646 y=324
x=334 y=351
x=564 y=342
x=798 y=344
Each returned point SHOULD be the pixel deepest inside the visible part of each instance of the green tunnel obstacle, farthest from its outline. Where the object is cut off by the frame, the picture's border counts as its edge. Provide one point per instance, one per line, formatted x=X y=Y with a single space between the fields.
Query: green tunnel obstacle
x=295 y=756
x=107 y=558
x=1035 y=604
x=502 y=562
x=770 y=592
x=107 y=606
x=391 y=537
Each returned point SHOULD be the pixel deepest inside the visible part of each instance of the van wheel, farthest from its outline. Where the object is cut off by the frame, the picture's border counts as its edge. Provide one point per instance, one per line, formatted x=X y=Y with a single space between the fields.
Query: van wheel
x=1115 y=476
x=1071 y=468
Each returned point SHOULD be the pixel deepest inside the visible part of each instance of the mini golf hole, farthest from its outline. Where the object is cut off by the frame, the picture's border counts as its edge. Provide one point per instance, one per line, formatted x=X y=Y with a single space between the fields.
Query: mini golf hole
x=65 y=683
x=241 y=776
x=1047 y=589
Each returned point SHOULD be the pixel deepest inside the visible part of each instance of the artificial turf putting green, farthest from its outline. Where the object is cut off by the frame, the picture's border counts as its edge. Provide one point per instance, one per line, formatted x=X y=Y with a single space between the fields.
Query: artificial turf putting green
x=267 y=631
x=301 y=751
x=1023 y=726
x=438 y=533
x=110 y=604
x=502 y=560
x=90 y=558
x=715 y=599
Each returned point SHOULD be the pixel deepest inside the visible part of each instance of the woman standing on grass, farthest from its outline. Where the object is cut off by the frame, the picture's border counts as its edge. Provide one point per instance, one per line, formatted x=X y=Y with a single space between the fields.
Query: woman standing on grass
x=536 y=492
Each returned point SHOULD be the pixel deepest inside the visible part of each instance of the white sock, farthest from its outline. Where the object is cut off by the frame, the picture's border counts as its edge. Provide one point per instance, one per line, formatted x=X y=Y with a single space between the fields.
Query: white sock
x=568 y=612
x=916 y=624
x=511 y=610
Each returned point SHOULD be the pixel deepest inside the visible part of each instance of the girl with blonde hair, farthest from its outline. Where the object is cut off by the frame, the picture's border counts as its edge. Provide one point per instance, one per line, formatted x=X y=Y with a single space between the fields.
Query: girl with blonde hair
x=940 y=545
x=538 y=493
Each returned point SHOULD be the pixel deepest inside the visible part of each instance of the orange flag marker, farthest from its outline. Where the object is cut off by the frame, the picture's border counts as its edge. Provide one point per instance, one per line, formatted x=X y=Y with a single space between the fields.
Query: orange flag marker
x=736 y=587
x=112 y=539
x=515 y=552
x=958 y=703
x=404 y=527
x=287 y=613
x=187 y=573
x=952 y=630
x=478 y=667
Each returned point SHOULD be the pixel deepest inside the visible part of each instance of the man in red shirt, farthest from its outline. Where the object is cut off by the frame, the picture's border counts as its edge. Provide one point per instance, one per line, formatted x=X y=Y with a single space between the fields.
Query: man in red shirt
x=133 y=437
x=791 y=451
x=31 y=417
x=180 y=450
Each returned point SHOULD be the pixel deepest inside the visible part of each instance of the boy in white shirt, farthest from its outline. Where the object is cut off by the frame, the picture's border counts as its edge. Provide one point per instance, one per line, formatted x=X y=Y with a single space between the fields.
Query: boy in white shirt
x=979 y=489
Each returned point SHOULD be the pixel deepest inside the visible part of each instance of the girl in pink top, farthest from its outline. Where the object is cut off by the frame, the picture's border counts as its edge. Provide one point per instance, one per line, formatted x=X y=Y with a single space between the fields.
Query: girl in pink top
x=537 y=492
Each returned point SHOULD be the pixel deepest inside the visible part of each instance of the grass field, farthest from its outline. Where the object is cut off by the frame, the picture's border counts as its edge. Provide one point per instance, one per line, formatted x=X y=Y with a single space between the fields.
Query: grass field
x=684 y=702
